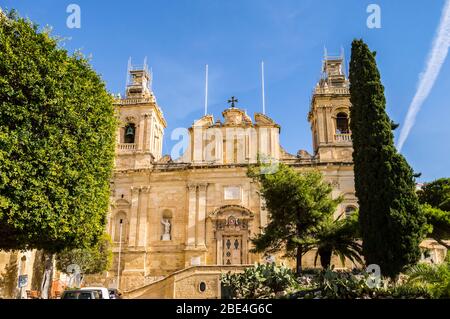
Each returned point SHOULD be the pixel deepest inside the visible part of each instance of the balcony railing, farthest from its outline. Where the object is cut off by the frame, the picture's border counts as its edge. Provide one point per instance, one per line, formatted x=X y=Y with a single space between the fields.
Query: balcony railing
x=127 y=147
x=332 y=90
x=125 y=101
x=343 y=138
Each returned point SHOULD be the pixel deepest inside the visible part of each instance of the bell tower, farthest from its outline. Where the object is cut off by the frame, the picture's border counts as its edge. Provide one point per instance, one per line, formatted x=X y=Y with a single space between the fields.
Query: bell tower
x=329 y=113
x=141 y=122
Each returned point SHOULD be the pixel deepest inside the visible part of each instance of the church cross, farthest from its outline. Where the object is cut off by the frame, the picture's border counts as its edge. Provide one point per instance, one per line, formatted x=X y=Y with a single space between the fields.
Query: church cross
x=232 y=101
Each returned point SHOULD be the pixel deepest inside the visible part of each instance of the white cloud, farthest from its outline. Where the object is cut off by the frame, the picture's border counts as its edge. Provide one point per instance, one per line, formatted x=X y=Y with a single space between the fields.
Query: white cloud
x=427 y=78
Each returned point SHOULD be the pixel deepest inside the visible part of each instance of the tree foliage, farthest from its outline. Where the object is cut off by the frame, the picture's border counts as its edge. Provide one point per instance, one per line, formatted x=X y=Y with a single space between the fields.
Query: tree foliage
x=297 y=204
x=271 y=281
x=433 y=278
x=436 y=194
x=392 y=223
x=435 y=200
x=439 y=224
x=57 y=129
x=91 y=260
x=260 y=282
x=338 y=237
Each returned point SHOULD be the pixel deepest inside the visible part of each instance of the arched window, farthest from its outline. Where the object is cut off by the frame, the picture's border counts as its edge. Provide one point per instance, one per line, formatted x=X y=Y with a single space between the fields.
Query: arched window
x=120 y=227
x=342 y=123
x=130 y=132
x=349 y=210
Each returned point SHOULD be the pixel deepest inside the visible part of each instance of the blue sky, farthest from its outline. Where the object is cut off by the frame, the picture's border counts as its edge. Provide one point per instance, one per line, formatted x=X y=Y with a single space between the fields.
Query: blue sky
x=232 y=37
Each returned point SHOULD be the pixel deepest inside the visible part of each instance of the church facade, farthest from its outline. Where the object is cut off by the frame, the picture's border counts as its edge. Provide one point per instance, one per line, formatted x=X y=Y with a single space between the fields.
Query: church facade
x=201 y=209
x=177 y=224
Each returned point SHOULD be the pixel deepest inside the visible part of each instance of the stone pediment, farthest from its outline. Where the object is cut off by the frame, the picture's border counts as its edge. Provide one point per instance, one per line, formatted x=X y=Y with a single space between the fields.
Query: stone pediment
x=303 y=154
x=234 y=218
x=225 y=211
x=165 y=159
x=262 y=119
x=234 y=116
x=206 y=120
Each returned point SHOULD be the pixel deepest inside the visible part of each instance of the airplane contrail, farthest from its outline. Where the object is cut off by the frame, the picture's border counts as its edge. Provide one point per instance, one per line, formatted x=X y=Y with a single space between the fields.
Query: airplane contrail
x=427 y=78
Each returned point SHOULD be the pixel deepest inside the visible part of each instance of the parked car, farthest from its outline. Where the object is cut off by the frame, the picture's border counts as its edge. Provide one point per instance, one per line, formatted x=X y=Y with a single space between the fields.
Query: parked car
x=114 y=293
x=80 y=294
x=102 y=291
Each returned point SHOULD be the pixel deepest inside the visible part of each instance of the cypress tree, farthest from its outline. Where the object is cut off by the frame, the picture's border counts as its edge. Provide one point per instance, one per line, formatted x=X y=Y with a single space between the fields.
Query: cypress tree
x=391 y=221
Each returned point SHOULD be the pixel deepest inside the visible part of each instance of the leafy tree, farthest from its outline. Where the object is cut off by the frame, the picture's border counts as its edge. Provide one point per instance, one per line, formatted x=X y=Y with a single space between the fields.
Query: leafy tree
x=57 y=128
x=392 y=223
x=91 y=260
x=439 y=224
x=338 y=237
x=436 y=194
x=297 y=204
x=435 y=200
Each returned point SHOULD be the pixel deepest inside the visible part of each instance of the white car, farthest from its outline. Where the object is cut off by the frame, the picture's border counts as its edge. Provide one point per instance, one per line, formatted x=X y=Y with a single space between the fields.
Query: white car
x=102 y=291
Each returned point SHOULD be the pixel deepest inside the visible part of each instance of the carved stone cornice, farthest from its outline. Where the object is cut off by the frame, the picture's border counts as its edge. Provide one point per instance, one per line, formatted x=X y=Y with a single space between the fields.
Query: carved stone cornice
x=138 y=189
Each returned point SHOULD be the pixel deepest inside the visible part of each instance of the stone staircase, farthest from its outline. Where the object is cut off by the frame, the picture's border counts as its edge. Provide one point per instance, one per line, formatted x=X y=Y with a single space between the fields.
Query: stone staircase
x=195 y=282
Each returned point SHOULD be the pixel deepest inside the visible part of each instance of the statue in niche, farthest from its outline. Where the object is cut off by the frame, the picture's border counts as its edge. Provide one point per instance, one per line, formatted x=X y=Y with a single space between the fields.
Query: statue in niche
x=166 y=223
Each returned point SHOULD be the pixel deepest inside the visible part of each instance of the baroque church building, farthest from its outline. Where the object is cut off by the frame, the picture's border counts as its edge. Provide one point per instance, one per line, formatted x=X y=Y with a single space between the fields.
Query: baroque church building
x=193 y=217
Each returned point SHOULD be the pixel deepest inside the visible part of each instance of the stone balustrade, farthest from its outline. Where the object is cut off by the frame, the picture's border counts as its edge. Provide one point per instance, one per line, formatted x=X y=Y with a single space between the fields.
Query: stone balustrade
x=331 y=90
x=126 y=147
x=343 y=138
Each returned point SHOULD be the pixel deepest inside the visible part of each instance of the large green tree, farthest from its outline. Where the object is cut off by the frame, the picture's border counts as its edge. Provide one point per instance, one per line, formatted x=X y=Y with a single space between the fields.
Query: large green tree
x=57 y=129
x=391 y=221
x=92 y=260
x=435 y=200
x=297 y=204
x=436 y=194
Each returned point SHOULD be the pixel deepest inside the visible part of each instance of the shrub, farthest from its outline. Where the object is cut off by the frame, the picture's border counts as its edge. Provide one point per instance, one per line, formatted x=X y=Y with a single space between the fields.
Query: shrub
x=261 y=281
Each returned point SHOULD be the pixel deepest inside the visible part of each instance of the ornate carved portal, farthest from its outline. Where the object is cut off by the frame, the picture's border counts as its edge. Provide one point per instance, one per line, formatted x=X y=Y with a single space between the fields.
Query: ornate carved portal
x=232 y=230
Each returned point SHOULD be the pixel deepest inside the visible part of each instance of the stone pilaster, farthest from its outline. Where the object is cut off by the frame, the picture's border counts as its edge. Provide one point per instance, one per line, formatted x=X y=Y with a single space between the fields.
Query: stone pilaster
x=192 y=214
x=147 y=131
x=140 y=145
x=329 y=126
x=142 y=222
x=133 y=216
x=321 y=122
x=197 y=144
x=201 y=216
x=151 y=133
x=264 y=141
